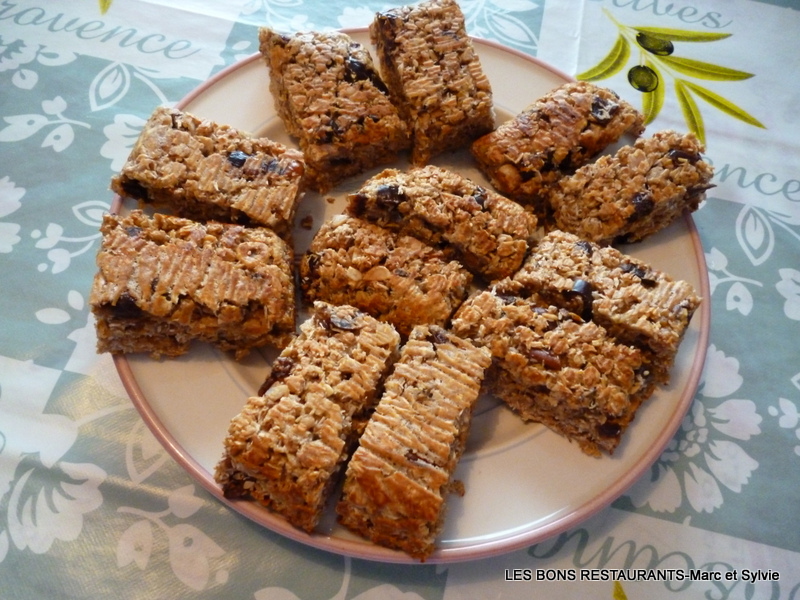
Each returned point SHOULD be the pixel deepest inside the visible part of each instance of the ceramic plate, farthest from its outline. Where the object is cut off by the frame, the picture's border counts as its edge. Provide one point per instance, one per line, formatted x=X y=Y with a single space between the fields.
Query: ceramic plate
x=523 y=483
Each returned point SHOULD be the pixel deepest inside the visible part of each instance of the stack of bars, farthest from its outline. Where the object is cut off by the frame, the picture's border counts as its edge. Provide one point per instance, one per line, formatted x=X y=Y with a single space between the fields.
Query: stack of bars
x=288 y=446
x=431 y=94
x=581 y=335
x=164 y=281
x=202 y=170
x=396 y=483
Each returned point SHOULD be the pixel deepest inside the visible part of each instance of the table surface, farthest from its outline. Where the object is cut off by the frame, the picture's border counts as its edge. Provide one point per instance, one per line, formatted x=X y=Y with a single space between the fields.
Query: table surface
x=92 y=506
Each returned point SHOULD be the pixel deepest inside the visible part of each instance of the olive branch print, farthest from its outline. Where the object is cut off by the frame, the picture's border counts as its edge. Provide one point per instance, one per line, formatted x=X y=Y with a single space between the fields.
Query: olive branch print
x=656 y=46
x=104 y=6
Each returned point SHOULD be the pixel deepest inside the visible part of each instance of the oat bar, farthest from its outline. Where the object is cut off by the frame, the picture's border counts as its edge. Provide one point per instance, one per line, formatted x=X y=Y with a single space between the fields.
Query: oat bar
x=431 y=68
x=287 y=446
x=634 y=193
x=636 y=303
x=165 y=281
x=332 y=100
x=551 y=137
x=485 y=231
x=553 y=368
x=203 y=170
x=397 y=482
x=395 y=278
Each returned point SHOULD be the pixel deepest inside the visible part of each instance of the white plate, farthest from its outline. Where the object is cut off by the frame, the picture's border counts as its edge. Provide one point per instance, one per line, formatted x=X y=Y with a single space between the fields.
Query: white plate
x=523 y=483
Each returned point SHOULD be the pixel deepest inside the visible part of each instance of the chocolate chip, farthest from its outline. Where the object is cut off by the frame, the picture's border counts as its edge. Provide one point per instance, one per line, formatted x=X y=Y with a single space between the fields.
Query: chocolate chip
x=133 y=231
x=640 y=273
x=506 y=298
x=273 y=165
x=343 y=323
x=437 y=336
x=237 y=158
x=585 y=246
x=642 y=205
x=677 y=155
x=356 y=70
x=547 y=358
x=126 y=307
x=357 y=204
x=135 y=190
x=583 y=289
x=603 y=110
x=480 y=196
x=632 y=268
x=280 y=370
x=609 y=429
x=389 y=195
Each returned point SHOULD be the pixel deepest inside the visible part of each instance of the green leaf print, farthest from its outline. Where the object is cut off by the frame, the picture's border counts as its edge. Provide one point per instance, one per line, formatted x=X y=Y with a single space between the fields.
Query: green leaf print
x=657 y=64
x=682 y=35
x=690 y=111
x=724 y=105
x=653 y=102
x=704 y=70
x=611 y=64
x=619 y=592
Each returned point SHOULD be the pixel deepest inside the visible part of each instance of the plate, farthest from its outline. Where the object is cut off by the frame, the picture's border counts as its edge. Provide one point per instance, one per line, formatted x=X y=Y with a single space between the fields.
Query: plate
x=523 y=482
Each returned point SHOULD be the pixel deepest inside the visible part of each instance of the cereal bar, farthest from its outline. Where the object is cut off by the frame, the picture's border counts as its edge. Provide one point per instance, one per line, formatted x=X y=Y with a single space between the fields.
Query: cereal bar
x=551 y=137
x=288 y=445
x=165 y=281
x=431 y=68
x=553 y=368
x=395 y=278
x=636 y=303
x=396 y=484
x=634 y=193
x=332 y=99
x=485 y=231
x=202 y=170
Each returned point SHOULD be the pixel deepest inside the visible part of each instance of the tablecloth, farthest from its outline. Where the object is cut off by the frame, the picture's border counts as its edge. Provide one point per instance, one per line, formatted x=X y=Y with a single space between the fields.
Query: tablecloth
x=92 y=506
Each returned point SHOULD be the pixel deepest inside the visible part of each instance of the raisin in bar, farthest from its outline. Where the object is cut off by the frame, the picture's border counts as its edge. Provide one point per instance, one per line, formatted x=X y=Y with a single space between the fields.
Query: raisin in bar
x=288 y=445
x=636 y=303
x=395 y=278
x=485 y=231
x=551 y=137
x=435 y=76
x=551 y=367
x=396 y=485
x=332 y=100
x=165 y=281
x=202 y=170
x=634 y=193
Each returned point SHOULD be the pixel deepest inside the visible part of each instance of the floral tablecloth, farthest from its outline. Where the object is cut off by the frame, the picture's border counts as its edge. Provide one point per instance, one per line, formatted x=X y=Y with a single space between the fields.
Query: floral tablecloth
x=92 y=506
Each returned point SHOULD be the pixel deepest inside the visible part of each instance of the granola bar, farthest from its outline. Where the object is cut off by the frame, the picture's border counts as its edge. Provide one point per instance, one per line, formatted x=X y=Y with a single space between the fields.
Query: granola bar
x=202 y=170
x=397 y=482
x=435 y=76
x=332 y=99
x=551 y=137
x=485 y=231
x=288 y=445
x=634 y=193
x=636 y=303
x=165 y=281
x=553 y=368
x=395 y=278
